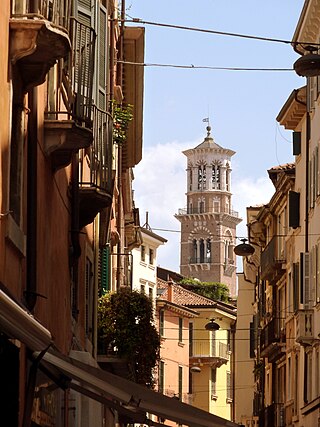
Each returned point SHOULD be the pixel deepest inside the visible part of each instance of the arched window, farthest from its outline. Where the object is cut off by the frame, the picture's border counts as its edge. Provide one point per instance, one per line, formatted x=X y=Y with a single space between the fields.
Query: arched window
x=199 y=177
x=202 y=251
x=215 y=177
x=202 y=177
x=208 y=250
x=190 y=179
x=194 y=252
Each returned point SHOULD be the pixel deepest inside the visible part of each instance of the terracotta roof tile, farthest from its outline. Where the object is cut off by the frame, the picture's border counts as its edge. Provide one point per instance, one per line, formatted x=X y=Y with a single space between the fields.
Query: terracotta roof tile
x=182 y=296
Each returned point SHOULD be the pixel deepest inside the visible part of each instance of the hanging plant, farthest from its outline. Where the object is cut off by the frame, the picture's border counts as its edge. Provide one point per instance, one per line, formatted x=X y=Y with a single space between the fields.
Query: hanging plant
x=125 y=324
x=122 y=116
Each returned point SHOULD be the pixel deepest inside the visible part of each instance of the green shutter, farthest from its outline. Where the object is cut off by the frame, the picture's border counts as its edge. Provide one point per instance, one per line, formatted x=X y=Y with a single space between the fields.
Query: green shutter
x=104 y=269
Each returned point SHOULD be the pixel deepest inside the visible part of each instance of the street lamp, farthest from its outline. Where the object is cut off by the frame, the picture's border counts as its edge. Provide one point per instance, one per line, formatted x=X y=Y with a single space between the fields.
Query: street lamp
x=309 y=64
x=244 y=248
x=212 y=325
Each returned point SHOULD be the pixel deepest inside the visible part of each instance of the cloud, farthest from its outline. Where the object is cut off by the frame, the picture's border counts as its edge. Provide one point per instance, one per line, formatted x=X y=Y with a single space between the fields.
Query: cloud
x=160 y=187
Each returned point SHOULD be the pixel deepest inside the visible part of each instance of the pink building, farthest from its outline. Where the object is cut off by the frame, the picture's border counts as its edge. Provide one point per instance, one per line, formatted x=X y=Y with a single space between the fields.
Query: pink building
x=173 y=323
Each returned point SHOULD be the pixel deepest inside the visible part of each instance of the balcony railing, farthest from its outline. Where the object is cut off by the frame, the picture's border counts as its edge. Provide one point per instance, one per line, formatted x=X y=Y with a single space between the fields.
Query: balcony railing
x=213 y=355
x=272 y=338
x=272 y=259
x=69 y=128
x=304 y=326
x=38 y=38
x=200 y=260
x=203 y=210
x=274 y=415
x=95 y=173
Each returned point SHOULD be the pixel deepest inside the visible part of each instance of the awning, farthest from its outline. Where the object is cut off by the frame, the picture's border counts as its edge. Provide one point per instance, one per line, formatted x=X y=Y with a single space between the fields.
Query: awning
x=124 y=394
x=18 y=323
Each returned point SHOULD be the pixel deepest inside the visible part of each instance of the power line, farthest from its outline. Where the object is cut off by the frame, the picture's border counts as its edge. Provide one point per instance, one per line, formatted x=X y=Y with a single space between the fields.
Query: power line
x=202 y=67
x=221 y=33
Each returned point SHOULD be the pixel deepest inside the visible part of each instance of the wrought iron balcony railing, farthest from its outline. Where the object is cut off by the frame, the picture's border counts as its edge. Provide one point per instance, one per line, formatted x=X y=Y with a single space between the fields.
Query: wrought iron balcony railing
x=39 y=36
x=272 y=338
x=273 y=258
x=95 y=173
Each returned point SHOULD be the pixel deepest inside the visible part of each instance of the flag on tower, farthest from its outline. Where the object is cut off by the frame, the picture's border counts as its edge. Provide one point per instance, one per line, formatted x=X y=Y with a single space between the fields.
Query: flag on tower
x=206 y=119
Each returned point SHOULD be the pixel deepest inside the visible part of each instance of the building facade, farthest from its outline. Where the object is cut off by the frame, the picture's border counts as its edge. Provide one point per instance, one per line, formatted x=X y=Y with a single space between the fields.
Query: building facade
x=208 y=223
x=208 y=365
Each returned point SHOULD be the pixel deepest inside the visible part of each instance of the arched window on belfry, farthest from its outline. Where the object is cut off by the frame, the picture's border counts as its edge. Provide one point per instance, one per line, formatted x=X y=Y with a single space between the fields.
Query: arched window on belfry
x=194 y=251
x=216 y=176
x=202 y=251
x=208 y=250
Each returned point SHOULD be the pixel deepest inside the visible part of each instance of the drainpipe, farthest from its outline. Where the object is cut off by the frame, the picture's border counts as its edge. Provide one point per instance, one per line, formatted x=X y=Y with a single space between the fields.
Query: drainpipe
x=308 y=135
x=112 y=64
x=75 y=244
x=306 y=242
x=119 y=181
x=31 y=263
x=233 y=355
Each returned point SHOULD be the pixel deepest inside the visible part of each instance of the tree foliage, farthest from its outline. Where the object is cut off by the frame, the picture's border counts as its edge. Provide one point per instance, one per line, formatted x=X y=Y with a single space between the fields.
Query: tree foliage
x=125 y=322
x=212 y=290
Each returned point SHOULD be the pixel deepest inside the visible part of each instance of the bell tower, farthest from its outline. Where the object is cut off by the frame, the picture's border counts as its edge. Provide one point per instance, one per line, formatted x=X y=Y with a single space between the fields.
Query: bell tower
x=208 y=223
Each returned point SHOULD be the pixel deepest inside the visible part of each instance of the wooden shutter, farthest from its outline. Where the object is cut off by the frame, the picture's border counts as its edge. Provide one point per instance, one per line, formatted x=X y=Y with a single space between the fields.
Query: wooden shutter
x=296 y=140
x=305 y=289
x=294 y=209
x=296 y=287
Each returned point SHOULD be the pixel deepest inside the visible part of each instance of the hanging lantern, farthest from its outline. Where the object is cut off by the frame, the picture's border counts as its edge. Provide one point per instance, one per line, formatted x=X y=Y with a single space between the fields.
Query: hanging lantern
x=309 y=64
x=244 y=249
x=212 y=326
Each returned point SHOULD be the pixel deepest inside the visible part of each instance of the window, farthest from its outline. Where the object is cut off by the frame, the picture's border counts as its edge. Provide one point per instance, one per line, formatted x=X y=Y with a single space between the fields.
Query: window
x=151 y=256
x=215 y=177
x=208 y=250
x=161 y=323
x=180 y=328
x=229 y=386
x=88 y=299
x=161 y=377
x=213 y=343
x=213 y=388
x=151 y=293
x=180 y=372
x=201 y=250
x=143 y=253
x=202 y=178
x=190 y=179
x=190 y=339
x=228 y=179
x=143 y=289
x=216 y=206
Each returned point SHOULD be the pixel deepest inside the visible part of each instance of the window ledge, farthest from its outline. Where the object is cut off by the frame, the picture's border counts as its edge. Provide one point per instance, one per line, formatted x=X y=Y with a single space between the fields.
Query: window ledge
x=15 y=235
x=180 y=344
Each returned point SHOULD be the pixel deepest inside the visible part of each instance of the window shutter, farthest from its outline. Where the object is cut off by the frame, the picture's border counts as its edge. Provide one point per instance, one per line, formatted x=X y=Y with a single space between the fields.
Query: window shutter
x=296 y=139
x=296 y=294
x=102 y=57
x=294 y=209
x=318 y=273
x=104 y=269
x=305 y=291
x=252 y=340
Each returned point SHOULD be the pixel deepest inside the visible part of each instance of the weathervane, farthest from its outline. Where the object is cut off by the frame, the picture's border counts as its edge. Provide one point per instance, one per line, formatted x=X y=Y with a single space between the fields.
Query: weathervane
x=207 y=120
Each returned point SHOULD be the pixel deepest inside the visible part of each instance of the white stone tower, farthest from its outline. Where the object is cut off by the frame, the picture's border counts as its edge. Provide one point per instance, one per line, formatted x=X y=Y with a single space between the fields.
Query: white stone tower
x=208 y=224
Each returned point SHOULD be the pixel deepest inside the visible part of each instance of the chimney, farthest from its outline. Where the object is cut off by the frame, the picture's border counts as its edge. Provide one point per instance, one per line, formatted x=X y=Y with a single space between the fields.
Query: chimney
x=170 y=291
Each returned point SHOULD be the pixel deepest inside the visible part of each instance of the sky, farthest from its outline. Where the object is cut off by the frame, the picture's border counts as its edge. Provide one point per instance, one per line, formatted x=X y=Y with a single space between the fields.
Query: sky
x=242 y=105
